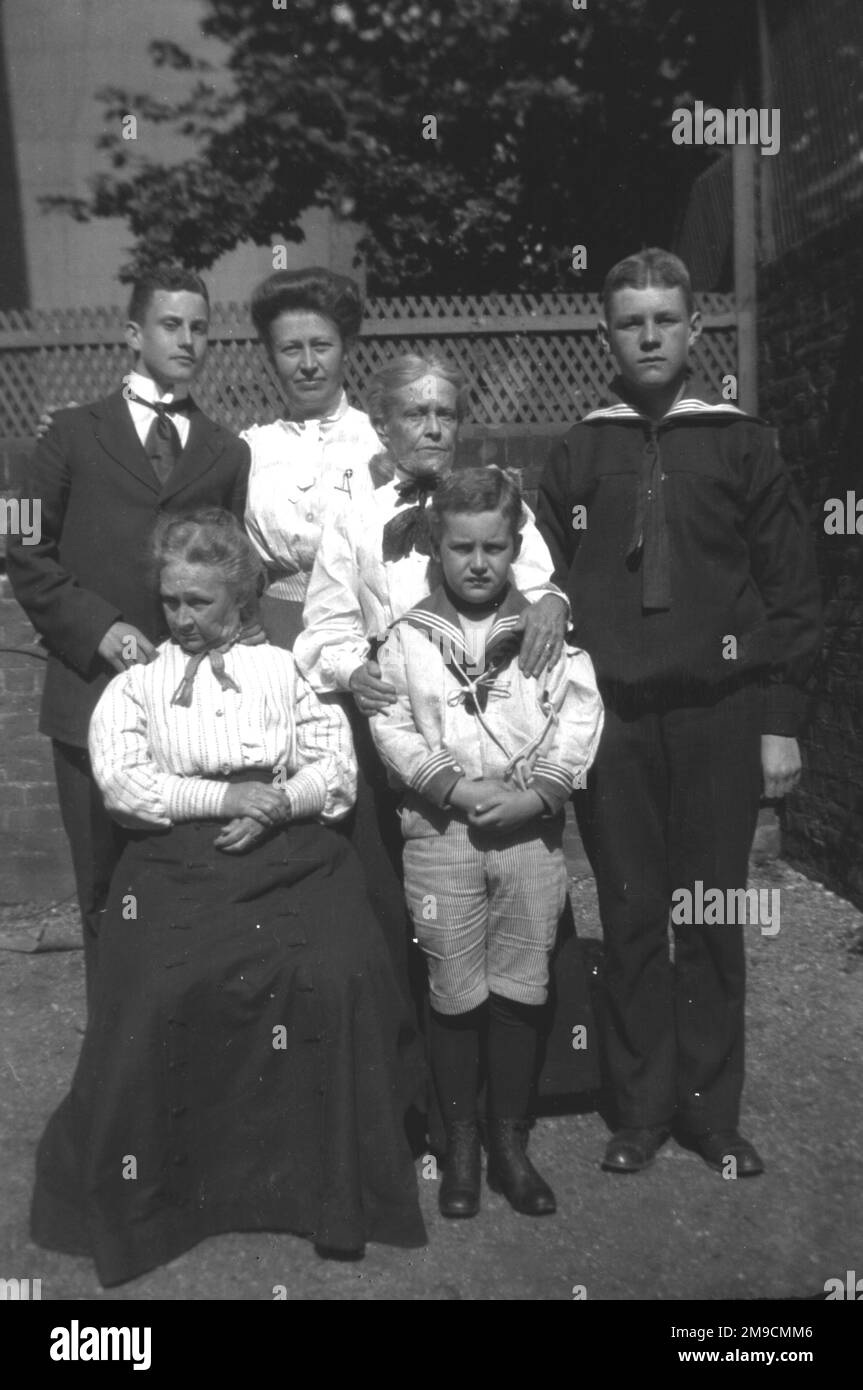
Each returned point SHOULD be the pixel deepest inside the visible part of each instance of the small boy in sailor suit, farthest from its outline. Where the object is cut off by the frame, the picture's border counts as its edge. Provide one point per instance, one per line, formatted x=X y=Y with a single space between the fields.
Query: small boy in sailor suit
x=488 y=758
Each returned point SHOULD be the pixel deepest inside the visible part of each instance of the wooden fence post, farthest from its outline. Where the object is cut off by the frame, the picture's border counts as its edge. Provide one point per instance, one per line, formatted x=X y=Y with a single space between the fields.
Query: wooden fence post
x=743 y=158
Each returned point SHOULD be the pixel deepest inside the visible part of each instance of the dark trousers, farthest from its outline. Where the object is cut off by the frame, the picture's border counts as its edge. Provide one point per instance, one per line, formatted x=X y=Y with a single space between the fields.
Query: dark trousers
x=96 y=842
x=673 y=799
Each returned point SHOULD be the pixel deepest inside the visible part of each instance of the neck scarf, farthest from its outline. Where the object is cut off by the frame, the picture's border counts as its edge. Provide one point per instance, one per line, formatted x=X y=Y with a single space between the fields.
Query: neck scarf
x=649 y=543
x=409 y=530
x=438 y=618
x=250 y=635
x=648 y=546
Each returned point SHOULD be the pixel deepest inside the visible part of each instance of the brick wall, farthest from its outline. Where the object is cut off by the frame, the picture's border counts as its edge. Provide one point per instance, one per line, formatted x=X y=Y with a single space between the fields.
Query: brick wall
x=811 y=386
x=35 y=861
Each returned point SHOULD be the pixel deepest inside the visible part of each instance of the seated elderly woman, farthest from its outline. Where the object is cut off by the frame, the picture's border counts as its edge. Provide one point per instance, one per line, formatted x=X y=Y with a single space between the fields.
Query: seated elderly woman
x=248 y=1063
x=373 y=564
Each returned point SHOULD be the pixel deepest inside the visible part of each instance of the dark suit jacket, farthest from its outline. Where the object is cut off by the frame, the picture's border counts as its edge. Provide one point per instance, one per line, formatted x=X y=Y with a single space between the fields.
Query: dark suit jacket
x=100 y=498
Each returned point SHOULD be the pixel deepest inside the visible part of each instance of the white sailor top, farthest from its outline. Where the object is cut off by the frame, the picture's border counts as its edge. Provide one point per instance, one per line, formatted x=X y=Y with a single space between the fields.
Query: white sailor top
x=461 y=711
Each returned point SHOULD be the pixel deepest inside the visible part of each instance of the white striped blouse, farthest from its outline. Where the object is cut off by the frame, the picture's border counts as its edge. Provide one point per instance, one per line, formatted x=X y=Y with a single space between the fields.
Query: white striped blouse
x=158 y=763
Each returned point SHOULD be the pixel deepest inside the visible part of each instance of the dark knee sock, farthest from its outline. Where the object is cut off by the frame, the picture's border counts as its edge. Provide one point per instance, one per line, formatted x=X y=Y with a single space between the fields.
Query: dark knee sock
x=454 y=1047
x=512 y=1043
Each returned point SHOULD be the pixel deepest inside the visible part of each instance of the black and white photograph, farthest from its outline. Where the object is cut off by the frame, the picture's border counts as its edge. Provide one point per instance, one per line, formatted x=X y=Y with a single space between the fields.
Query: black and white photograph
x=431 y=666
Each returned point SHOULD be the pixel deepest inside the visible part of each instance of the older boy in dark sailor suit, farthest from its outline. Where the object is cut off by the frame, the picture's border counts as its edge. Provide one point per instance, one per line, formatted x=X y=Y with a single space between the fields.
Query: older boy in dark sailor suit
x=685 y=552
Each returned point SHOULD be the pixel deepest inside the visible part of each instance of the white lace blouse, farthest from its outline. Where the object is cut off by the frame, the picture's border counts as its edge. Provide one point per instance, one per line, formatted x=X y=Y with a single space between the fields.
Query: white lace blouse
x=302 y=472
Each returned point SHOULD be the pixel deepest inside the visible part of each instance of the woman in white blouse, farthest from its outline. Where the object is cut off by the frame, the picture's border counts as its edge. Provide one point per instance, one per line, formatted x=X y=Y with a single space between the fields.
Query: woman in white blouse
x=315 y=461
x=248 y=1062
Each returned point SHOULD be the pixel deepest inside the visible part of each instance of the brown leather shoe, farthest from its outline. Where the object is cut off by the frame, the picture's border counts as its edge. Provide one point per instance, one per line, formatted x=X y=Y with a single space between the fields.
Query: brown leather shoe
x=630 y=1150
x=718 y=1146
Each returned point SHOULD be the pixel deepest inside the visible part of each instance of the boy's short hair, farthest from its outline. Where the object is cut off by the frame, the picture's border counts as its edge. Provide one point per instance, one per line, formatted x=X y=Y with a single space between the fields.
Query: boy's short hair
x=165 y=277
x=312 y=291
x=645 y=269
x=489 y=489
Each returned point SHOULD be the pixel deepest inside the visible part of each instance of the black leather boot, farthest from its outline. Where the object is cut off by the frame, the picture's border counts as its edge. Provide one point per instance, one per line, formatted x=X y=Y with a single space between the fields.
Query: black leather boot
x=459 y=1189
x=511 y=1172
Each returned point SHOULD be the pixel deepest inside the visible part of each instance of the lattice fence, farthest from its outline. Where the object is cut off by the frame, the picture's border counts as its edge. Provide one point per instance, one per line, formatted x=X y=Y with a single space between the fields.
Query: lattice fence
x=530 y=360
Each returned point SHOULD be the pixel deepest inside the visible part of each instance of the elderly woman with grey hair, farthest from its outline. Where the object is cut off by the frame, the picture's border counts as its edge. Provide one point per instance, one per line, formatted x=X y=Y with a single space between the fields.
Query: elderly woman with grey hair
x=374 y=561
x=248 y=1061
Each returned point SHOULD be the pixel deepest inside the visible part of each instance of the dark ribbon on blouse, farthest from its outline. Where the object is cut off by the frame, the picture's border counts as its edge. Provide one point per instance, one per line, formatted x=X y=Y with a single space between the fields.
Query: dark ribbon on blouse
x=649 y=542
x=409 y=529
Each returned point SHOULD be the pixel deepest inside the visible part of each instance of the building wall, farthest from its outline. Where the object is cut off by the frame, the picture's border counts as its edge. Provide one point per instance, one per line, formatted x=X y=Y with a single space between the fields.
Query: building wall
x=58 y=54
x=811 y=383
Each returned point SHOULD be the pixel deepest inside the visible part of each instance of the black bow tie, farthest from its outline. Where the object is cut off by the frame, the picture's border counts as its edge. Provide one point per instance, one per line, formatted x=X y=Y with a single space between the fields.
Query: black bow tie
x=418 y=488
x=409 y=530
x=162 y=445
x=182 y=406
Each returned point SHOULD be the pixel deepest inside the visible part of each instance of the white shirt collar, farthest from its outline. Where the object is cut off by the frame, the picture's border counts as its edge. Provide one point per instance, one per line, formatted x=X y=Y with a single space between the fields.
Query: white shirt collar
x=146 y=387
x=319 y=422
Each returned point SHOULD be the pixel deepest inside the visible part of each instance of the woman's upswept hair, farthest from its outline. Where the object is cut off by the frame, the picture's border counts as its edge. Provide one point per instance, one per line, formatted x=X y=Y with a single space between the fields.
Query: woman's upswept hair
x=488 y=489
x=313 y=291
x=210 y=536
x=403 y=371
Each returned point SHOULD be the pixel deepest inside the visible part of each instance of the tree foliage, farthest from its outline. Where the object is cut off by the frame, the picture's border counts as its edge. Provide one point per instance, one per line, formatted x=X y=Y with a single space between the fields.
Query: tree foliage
x=553 y=130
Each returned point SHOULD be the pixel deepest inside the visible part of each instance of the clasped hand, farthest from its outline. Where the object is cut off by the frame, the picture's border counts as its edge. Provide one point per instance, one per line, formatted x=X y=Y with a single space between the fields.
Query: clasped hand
x=780 y=765
x=255 y=811
x=491 y=804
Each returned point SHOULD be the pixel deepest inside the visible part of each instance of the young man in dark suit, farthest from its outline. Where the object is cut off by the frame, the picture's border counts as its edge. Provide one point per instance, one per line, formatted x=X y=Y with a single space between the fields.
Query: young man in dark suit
x=103 y=473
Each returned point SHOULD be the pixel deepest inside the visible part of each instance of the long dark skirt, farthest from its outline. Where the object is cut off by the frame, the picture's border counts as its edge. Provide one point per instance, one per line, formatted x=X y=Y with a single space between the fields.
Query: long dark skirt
x=248 y=1063
x=374 y=830
x=373 y=825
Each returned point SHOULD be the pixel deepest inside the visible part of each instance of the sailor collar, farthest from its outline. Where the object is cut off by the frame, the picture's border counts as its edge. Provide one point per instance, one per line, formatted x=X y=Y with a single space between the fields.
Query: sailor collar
x=693 y=403
x=437 y=618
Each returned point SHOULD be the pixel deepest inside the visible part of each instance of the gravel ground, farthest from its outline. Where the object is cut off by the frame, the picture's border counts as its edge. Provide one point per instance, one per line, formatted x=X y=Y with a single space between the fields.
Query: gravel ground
x=677 y=1231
